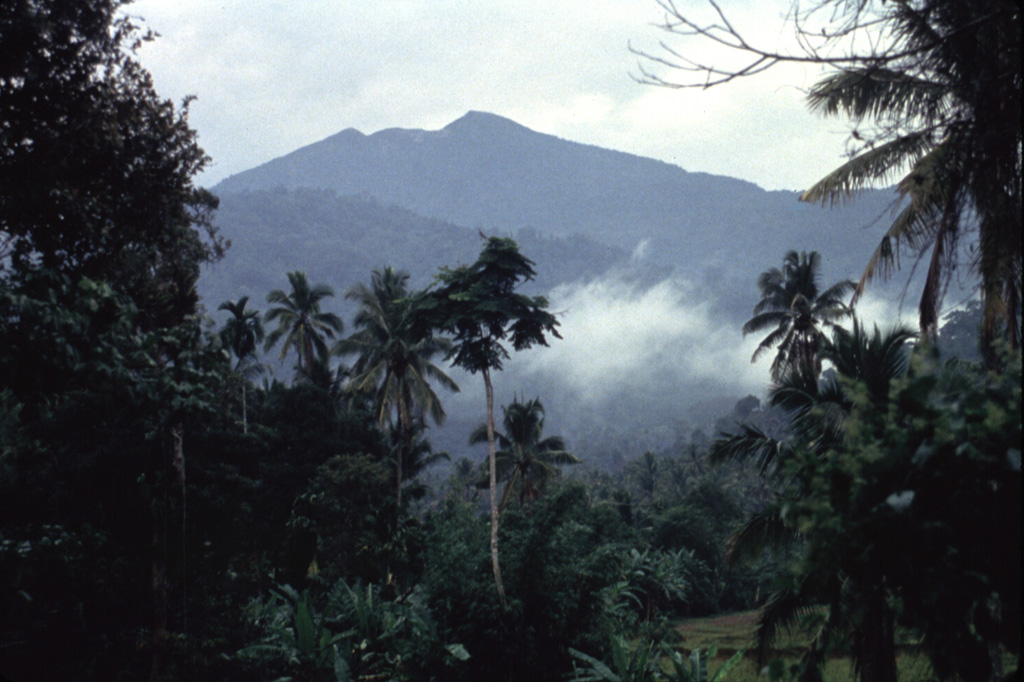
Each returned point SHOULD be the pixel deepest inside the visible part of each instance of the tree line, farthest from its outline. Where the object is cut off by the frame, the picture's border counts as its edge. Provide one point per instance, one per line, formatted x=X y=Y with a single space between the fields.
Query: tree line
x=163 y=515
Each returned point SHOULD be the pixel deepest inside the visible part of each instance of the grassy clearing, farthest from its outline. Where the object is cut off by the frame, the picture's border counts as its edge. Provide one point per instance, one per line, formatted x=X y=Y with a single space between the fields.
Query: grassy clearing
x=735 y=631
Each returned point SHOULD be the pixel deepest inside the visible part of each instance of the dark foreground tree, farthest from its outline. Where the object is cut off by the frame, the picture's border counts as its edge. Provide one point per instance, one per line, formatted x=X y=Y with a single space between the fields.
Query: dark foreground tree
x=478 y=305
x=933 y=88
x=923 y=493
x=102 y=234
x=865 y=363
x=893 y=484
x=96 y=171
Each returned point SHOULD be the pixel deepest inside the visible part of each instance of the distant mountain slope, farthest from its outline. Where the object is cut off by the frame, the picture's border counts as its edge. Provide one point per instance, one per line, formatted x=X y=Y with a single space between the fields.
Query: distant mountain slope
x=484 y=171
x=340 y=240
x=670 y=259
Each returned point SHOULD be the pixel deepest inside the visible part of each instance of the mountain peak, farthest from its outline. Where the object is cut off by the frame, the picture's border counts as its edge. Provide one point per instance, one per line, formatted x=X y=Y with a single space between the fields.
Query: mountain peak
x=485 y=122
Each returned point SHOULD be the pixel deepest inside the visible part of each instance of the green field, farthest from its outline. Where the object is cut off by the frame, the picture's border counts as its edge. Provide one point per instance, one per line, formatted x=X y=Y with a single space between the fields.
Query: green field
x=732 y=632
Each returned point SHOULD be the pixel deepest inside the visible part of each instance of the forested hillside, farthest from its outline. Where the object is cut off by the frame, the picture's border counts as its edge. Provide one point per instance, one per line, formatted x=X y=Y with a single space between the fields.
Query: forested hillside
x=311 y=430
x=484 y=172
x=611 y=234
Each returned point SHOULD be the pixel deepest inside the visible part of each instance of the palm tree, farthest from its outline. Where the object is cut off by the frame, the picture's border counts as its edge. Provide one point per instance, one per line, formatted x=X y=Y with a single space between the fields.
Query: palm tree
x=417 y=455
x=796 y=311
x=241 y=333
x=332 y=380
x=300 y=322
x=947 y=108
x=818 y=408
x=525 y=460
x=394 y=360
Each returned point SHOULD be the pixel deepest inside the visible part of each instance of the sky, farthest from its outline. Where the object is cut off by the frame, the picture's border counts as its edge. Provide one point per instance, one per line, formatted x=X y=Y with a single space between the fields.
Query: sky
x=271 y=77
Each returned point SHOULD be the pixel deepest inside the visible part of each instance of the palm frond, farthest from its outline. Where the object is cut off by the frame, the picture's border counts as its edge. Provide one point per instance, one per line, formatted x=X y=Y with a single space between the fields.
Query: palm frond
x=795 y=390
x=279 y=297
x=750 y=444
x=765 y=320
x=557 y=458
x=876 y=92
x=775 y=338
x=435 y=373
x=834 y=295
x=873 y=165
x=273 y=337
x=783 y=610
x=762 y=530
x=478 y=435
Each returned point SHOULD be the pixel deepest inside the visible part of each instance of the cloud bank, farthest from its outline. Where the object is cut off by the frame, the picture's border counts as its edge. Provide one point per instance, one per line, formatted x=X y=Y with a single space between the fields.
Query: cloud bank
x=617 y=334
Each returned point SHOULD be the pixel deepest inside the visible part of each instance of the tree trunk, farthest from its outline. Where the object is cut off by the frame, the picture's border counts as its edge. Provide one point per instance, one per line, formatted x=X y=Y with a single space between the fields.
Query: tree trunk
x=875 y=641
x=492 y=479
x=158 y=571
x=308 y=345
x=179 y=468
x=245 y=425
x=403 y=437
x=158 y=577
x=507 y=490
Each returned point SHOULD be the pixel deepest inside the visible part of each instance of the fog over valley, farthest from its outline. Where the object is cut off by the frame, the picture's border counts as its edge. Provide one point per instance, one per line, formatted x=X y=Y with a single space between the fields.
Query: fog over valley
x=651 y=270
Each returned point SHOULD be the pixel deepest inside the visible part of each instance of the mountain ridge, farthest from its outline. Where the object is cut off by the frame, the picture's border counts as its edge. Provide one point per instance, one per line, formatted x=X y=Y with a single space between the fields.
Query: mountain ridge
x=417 y=200
x=487 y=172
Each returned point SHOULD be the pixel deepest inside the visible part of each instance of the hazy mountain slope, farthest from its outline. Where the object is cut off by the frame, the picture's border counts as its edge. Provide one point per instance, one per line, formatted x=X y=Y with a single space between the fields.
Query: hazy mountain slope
x=484 y=171
x=340 y=240
x=651 y=269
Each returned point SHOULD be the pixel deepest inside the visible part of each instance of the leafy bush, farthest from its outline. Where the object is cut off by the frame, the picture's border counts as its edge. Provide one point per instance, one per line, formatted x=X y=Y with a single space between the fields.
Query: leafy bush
x=357 y=634
x=554 y=562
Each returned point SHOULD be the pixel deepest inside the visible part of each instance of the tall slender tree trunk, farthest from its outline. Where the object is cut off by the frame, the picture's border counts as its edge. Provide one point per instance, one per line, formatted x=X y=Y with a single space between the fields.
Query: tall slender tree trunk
x=493 y=481
x=158 y=577
x=245 y=425
x=403 y=443
x=158 y=571
x=875 y=640
x=508 y=490
x=308 y=345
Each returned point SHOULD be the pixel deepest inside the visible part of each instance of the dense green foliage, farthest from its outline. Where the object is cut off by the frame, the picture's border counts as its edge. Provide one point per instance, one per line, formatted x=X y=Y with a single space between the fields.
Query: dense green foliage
x=96 y=170
x=157 y=521
x=938 y=470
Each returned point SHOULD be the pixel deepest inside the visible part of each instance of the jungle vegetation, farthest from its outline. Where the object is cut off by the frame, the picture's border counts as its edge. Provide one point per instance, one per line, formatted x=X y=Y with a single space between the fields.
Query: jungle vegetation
x=171 y=510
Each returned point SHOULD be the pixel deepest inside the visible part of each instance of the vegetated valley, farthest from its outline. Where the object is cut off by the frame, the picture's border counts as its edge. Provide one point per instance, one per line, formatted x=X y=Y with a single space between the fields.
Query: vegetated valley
x=478 y=404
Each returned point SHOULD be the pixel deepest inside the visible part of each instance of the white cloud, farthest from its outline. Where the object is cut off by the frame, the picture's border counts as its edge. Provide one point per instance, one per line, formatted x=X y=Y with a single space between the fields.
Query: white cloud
x=885 y=312
x=618 y=334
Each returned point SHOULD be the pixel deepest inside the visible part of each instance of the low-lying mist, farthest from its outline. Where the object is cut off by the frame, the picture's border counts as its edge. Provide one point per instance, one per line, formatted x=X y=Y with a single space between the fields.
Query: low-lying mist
x=639 y=367
x=619 y=334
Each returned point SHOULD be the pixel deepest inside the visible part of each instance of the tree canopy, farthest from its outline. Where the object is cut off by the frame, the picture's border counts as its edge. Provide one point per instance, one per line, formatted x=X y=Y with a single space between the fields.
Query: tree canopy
x=394 y=359
x=96 y=170
x=301 y=325
x=526 y=459
x=479 y=306
x=933 y=89
x=792 y=303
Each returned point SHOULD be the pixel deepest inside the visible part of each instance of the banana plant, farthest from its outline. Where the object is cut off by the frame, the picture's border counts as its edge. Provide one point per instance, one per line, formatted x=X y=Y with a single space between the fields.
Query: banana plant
x=641 y=666
x=697 y=671
x=296 y=634
x=628 y=667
